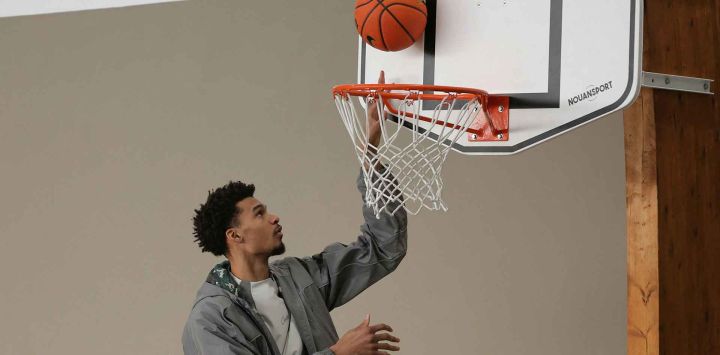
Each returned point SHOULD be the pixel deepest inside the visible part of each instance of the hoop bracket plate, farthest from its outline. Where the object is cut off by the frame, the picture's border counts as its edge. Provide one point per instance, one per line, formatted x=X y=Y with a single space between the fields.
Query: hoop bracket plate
x=499 y=109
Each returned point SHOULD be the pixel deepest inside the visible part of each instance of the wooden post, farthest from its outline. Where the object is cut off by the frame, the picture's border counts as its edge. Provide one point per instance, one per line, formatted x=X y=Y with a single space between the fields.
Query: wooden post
x=642 y=227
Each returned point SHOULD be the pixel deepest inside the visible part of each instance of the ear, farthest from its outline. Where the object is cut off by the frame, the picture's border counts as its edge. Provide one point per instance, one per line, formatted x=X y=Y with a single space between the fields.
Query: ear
x=232 y=235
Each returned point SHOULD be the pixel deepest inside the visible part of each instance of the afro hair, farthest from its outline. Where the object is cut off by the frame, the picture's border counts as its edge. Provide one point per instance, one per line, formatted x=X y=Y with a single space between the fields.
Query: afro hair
x=218 y=214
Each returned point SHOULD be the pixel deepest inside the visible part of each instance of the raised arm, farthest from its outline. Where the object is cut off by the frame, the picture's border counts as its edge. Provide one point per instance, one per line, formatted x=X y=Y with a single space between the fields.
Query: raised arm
x=343 y=271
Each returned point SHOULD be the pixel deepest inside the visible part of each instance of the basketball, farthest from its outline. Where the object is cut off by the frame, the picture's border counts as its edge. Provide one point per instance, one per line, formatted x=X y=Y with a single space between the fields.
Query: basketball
x=390 y=25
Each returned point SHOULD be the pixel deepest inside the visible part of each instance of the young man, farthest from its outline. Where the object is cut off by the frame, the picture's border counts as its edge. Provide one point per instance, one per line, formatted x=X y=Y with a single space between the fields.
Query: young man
x=247 y=306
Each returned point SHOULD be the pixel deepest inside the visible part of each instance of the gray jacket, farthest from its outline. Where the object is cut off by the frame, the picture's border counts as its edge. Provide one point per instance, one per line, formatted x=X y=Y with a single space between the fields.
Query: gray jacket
x=224 y=320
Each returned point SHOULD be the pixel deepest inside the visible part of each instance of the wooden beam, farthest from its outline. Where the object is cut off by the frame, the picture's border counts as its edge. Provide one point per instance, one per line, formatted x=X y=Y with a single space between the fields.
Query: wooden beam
x=642 y=227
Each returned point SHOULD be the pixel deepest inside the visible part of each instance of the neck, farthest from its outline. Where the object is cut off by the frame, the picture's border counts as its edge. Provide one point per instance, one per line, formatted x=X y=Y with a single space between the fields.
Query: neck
x=249 y=268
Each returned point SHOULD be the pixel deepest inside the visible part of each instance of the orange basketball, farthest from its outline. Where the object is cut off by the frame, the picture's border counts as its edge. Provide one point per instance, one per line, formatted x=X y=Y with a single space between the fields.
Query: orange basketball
x=390 y=25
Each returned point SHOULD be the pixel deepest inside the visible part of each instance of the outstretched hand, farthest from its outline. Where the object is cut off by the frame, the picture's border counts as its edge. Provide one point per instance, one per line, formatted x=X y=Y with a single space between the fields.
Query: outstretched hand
x=363 y=340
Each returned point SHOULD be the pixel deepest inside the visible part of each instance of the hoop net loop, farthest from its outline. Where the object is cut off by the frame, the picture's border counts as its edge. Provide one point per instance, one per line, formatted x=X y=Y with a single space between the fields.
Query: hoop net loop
x=412 y=147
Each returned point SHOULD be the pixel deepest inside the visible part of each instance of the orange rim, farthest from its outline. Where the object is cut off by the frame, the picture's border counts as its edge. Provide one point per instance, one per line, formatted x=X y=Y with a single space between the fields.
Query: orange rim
x=415 y=92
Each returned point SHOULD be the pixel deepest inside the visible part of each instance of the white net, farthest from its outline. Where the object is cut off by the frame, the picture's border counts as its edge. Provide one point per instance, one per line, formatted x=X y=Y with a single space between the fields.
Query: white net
x=404 y=169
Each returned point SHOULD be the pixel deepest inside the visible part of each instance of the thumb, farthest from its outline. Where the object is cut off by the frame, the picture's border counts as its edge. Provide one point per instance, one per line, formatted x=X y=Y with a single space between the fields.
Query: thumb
x=366 y=321
x=381 y=80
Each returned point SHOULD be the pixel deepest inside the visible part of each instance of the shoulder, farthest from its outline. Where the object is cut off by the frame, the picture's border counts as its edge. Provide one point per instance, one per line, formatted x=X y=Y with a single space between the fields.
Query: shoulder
x=291 y=265
x=285 y=265
x=210 y=315
x=209 y=306
x=300 y=270
x=211 y=302
x=212 y=325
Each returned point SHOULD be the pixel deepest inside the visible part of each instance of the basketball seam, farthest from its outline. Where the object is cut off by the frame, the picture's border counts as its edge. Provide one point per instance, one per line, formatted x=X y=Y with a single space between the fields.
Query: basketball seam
x=410 y=6
x=361 y=5
x=387 y=8
x=382 y=36
x=367 y=16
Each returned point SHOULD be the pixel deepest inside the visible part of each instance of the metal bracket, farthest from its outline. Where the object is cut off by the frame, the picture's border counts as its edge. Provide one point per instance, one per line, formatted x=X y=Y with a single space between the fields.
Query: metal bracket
x=676 y=82
x=499 y=110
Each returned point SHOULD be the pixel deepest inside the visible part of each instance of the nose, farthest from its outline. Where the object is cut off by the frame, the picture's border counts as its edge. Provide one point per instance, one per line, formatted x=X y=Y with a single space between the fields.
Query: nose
x=275 y=219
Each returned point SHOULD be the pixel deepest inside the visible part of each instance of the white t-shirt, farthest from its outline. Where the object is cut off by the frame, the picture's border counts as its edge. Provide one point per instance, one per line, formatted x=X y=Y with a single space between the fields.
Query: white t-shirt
x=274 y=312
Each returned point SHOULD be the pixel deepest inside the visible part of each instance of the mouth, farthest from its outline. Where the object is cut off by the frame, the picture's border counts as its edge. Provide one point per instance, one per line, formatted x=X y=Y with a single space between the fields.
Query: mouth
x=278 y=231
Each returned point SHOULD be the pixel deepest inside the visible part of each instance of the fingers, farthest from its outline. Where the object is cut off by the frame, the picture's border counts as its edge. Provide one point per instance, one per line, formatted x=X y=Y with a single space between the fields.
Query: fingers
x=381 y=80
x=386 y=346
x=385 y=336
x=366 y=321
x=378 y=327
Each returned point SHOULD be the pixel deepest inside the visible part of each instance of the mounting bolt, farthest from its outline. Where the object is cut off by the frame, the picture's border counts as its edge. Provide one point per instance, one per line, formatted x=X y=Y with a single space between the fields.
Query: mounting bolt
x=706 y=86
x=501 y=108
x=474 y=136
x=667 y=81
x=500 y=136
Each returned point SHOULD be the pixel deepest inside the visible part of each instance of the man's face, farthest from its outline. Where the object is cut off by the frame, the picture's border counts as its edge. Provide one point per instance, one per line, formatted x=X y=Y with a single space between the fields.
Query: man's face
x=260 y=230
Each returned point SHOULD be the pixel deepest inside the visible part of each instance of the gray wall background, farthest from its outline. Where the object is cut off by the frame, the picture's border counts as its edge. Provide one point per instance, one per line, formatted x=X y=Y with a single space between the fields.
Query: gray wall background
x=114 y=124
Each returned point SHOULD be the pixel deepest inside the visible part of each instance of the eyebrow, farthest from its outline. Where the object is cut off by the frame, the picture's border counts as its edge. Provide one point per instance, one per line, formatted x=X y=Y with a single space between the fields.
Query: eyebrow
x=257 y=207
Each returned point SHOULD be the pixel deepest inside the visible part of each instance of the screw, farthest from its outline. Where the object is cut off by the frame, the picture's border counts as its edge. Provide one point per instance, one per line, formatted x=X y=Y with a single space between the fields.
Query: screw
x=501 y=108
x=706 y=86
x=474 y=136
x=500 y=136
x=667 y=81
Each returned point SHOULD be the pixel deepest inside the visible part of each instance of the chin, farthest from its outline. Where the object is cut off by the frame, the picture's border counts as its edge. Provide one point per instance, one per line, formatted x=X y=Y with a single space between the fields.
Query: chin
x=280 y=250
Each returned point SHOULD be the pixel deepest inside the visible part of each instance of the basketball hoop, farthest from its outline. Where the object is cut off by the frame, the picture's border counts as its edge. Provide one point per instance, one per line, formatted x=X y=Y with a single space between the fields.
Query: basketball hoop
x=424 y=122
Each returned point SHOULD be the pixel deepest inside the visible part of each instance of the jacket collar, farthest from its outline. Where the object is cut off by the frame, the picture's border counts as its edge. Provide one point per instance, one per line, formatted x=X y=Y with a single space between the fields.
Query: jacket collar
x=220 y=276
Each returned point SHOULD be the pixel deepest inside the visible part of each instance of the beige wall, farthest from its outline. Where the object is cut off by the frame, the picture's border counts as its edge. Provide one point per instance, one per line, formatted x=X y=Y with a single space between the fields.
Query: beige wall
x=114 y=124
x=9 y=8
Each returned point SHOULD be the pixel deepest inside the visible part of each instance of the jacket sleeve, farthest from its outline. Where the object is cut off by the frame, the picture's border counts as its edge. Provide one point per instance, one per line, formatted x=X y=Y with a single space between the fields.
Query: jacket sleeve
x=208 y=331
x=344 y=271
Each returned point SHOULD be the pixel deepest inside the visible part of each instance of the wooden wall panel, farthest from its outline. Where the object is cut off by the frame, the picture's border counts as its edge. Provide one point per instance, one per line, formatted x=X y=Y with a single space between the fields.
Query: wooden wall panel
x=682 y=38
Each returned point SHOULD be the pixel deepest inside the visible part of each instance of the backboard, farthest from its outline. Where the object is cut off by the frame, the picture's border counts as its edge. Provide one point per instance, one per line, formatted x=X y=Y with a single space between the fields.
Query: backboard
x=562 y=63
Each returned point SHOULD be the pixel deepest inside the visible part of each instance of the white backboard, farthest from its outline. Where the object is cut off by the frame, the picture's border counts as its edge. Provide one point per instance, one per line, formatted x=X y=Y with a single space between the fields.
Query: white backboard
x=563 y=63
